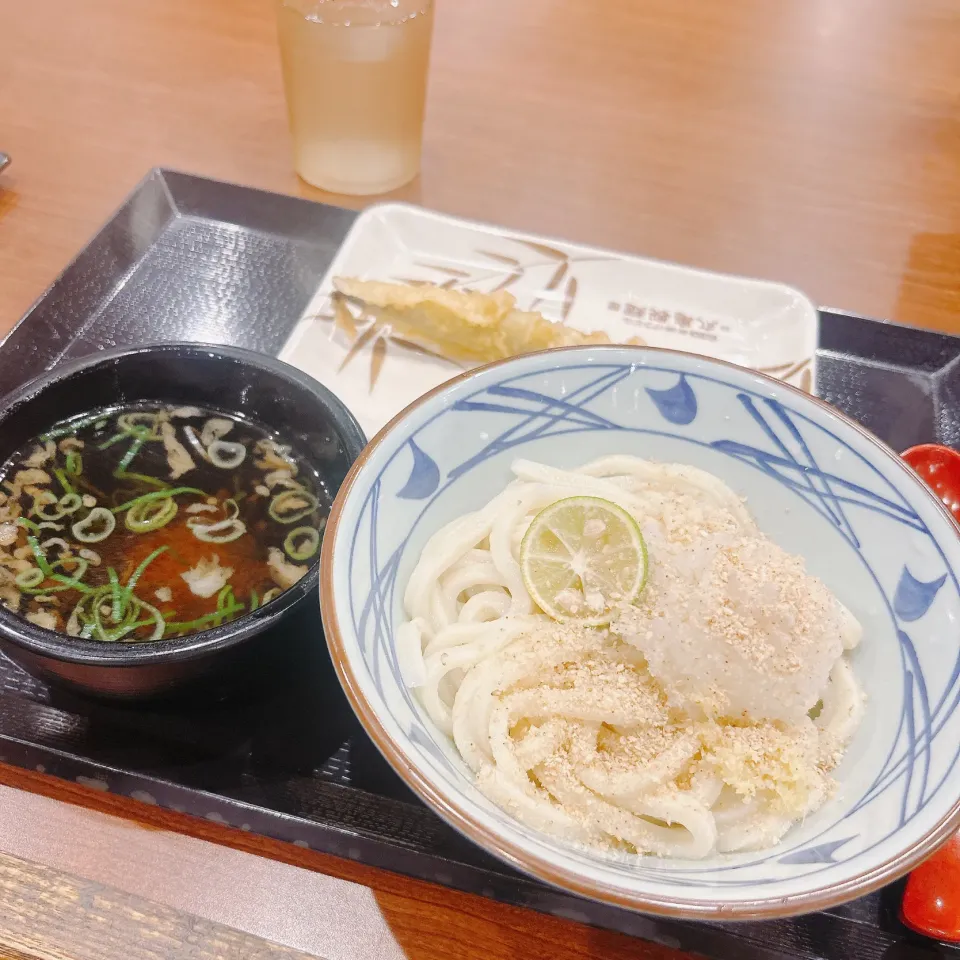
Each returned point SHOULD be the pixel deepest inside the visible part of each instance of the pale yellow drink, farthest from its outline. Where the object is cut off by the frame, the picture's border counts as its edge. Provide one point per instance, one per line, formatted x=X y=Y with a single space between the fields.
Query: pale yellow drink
x=356 y=74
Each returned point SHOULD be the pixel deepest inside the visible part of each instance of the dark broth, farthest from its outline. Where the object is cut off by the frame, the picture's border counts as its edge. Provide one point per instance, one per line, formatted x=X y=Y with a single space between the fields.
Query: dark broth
x=151 y=522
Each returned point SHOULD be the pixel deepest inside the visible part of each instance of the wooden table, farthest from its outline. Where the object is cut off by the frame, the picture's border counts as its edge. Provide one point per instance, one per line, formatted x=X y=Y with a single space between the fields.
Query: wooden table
x=811 y=141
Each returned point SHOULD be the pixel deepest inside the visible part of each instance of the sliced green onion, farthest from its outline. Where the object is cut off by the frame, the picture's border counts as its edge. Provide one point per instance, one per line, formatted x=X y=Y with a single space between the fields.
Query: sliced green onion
x=216 y=428
x=157 y=495
x=211 y=619
x=103 y=632
x=116 y=438
x=130 y=454
x=54 y=542
x=281 y=504
x=86 y=530
x=151 y=515
x=74 y=463
x=39 y=555
x=138 y=573
x=254 y=600
x=225 y=454
x=70 y=427
x=142 y=477
x=226 y=534
x=30 y=525
x=70 y=503
x=281 y=477
x=115 y=591
x=70 y=583
x=271 y=594
x=121 y=625
x=45 y=590
x=128 y=423
x=194 y=442
x=226 y=531
x=223 y=531
x=28 y=579
x=78 y=572
x=309 y=538
x=125 y=611
x=64 y=482
x=47 y=571
x=227 y=603
x=44 y=499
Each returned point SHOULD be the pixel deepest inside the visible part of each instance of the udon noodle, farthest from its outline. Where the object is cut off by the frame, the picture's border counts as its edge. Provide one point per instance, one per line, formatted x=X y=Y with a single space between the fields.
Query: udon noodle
x=707 y=717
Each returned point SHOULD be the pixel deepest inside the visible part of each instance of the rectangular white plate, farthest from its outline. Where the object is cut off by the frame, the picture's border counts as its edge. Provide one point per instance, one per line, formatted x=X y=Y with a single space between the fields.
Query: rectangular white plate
x=755 y=323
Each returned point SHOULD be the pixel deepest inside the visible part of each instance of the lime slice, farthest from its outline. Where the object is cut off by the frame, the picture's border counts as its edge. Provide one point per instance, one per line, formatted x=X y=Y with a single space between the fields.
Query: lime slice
x=581 y=557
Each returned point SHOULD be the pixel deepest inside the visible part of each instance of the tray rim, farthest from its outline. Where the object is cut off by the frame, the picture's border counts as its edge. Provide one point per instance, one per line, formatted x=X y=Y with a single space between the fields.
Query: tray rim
x=709 y=930
x=58 y=280
x=484 y=226
x=160 y=173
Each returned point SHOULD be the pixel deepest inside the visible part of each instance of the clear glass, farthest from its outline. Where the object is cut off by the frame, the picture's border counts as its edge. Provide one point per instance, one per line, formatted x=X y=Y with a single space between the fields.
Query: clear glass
x=355 y=73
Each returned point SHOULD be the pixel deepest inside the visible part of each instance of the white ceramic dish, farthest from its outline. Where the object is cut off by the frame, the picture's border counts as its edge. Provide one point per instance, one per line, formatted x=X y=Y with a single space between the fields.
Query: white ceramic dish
x=818 y=484
x=762 y=325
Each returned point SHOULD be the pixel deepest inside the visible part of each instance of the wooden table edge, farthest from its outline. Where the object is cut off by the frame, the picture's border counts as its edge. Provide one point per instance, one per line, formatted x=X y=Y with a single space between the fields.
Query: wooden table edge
x=151 y=817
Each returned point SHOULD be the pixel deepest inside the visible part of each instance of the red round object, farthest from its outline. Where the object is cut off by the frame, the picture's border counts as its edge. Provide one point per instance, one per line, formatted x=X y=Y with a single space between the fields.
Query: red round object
x=940 y=469
x=931 y=900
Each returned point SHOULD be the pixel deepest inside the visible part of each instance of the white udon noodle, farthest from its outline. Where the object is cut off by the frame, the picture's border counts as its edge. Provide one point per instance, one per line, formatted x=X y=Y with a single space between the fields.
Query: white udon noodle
x=652 y=736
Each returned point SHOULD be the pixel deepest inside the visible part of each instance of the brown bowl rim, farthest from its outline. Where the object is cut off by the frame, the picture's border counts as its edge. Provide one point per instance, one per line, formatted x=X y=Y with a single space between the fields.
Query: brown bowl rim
x=54 y=645
x=818 y=899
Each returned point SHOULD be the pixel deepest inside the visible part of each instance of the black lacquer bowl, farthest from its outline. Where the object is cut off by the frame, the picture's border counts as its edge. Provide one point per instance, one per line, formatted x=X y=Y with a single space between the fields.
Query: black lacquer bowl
x=258 y=387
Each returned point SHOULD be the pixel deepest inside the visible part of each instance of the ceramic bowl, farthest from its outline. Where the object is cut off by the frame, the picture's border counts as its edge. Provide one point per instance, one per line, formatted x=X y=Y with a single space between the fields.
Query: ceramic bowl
x=221 y=378
x=818 y=484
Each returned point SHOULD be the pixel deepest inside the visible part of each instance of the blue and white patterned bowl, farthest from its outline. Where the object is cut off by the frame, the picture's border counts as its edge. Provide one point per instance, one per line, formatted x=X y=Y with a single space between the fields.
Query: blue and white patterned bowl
x=818 y=484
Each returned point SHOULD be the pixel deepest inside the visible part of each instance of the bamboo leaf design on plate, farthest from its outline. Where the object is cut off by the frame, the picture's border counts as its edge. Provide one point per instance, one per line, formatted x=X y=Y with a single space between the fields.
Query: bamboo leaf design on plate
x=787 y=371
x=796 y=368
x=500 y=258
x=449 y=284
x=779 y=368
x=368 y=334
x=552 y=252
x=569 y=297
x=507 y=281
x=377 y=359
x=342 y=317
x=411 y=282
x=449 y=271
x=426 y=351
x=558 y=276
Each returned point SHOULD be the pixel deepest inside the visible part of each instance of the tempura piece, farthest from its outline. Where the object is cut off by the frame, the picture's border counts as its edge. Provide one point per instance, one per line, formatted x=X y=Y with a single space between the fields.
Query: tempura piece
x=462 y=325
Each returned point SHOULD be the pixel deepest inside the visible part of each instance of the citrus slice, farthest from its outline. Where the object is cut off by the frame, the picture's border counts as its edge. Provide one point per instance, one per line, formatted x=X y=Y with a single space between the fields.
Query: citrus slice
x=581 y=557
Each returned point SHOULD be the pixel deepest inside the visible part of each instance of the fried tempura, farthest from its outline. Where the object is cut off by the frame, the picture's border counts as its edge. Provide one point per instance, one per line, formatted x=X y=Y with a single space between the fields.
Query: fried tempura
x=465 y=326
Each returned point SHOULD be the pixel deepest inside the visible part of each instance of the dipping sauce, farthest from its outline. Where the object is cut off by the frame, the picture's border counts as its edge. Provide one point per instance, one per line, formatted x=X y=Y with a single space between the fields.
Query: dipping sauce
x=151 y=522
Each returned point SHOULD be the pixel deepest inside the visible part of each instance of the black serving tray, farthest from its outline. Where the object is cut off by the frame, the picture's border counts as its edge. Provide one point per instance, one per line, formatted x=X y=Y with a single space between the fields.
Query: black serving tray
x=192 y=259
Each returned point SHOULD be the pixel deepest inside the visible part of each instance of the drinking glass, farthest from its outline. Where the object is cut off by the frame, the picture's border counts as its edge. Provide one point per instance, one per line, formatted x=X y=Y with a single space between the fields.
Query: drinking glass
x=355 y=73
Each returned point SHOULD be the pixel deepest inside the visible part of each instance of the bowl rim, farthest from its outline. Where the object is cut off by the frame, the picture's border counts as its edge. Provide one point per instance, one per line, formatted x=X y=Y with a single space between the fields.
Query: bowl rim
x=455 y=813
x=51 y=644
